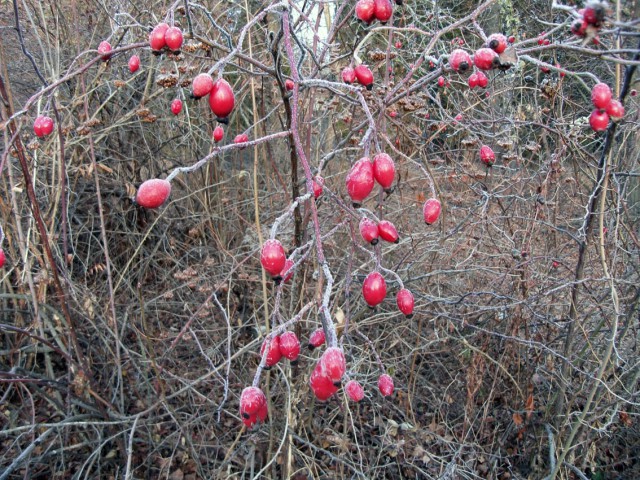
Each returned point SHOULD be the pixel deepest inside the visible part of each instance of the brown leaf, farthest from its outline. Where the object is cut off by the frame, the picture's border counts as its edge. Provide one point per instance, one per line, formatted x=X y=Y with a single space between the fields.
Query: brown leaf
x=517 y=419
x=528 y=406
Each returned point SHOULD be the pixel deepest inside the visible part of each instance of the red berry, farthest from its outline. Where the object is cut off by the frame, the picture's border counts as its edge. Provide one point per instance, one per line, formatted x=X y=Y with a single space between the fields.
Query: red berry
x=252 y=399
x=3 y=258
x=615 y=110
x=497 y=42
x=483 y=81
x=441 y=81
x=316 y=338
x=487 y=156
x=473 y=80
x=398 y=45
x=601 y=95
x=318 y=185
x=241 y=138
x=202 y=85
x=288 y=84
x=633 y=92
x=348 y=75
x=104 y=49
x=383 y=10
x=431 y=211
x=388 y=232
x=273 y=354
x=555 y=264
x=323 y=388
x=260 y=416
x=173 y=38
x=218 y=133
x=374 y=289
x=458 y=118
x=360 y=180
x=289 y=345
x=364 y=76
x=287 y=271
x=333 y=364
x=405 y=302
x=393 y=114
x=354 y=390
x=43 y=126
x=385 y=385
x=272 y=257
x=512 y=39
x=369 y=230
x=366 y=10
x=221 y=99
x=485 y=59
x=459 y=60
x=384 y=170
x=156 y=37
x=579 y=28
x=599 y=120
x=176 y=106
x=594 y=14
x=153 y=193
x=134 y=63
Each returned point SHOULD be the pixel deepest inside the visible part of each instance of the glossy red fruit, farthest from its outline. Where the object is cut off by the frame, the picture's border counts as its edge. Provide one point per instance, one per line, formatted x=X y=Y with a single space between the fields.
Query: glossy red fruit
x=599 y=120
x=369 y=230
x=486 y=59
x=441 y=81
x=366 y=10
x=287 y=271
x=3 y=258
x=473 y=80
x=512 y=39
x=615 y=110
x=241 y=138
x=459 y=60
x=398 y=45
x=202 y=85
x=333 y=364
x=153 y=193
x=384 y=170
x=601 y=95
x=316 y=339
x=134 y=63
x=483 y=81
x=360 y=180
x=497 y=42
x=348 y=75
x=272 y=257
x=364 y=76
x=156 y=37
x=289 y=345
x=318 y=185
x=388 y=232
x=252 y=399
x=173 y=38
x=104 y=49
x=218 y=133
x=374 y=289
x=273 y=354
x=221 y=99
x=579 y=27
x=431 y=211
x=405 y=302
x=288 y=84
x=487 y=156
x=354 y=390
x=383 y=10
x=594 y=14
x=260 y=416
x=176 y=106
x=323 y=388
x=43 y=126
x=385 y=385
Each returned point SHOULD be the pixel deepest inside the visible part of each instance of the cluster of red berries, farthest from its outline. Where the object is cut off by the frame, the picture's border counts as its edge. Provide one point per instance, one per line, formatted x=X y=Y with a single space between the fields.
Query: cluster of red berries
x=361 y=73
x=369 y=10
x=221 y=97
x=163 y=36
x=591 y=19
x=285 y=345
x=605 y=107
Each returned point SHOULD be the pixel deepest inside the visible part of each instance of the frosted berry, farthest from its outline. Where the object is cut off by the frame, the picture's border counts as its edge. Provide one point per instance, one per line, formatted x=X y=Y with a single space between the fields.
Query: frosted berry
x=323 y=388
x=288 y=84
x=333 y=364
x=272 y=257
x=601 y=95
x=459 y=60
x=599 y=120
x=3 y=258
x=374 y=289
x=388 y=232
x=43 y=126
x=354 y=390
x=287 y=271
x=364 y=76
x=487 y=156
x=473 y=80
x=486 y=59
x=156 y=37
x=153 y=193
x=385 y=385
x=497 y=42
x=615 y=110
x=173 y=39
x=383 y=10
x=176 y=106
x=218 y=133
x=431 y=211
x=221 y=99
x=316 y=339
x=384 y=170
x=273 y=354
x=241 y=138
x=134 y=63
x=483 y=81
x=252 y=399
x=348 y=75
x=366 y=10
x=104 y=49
x=289 y=345
x=201 y=85
x=405 y=302
x=369 y=230
x=360 y=180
